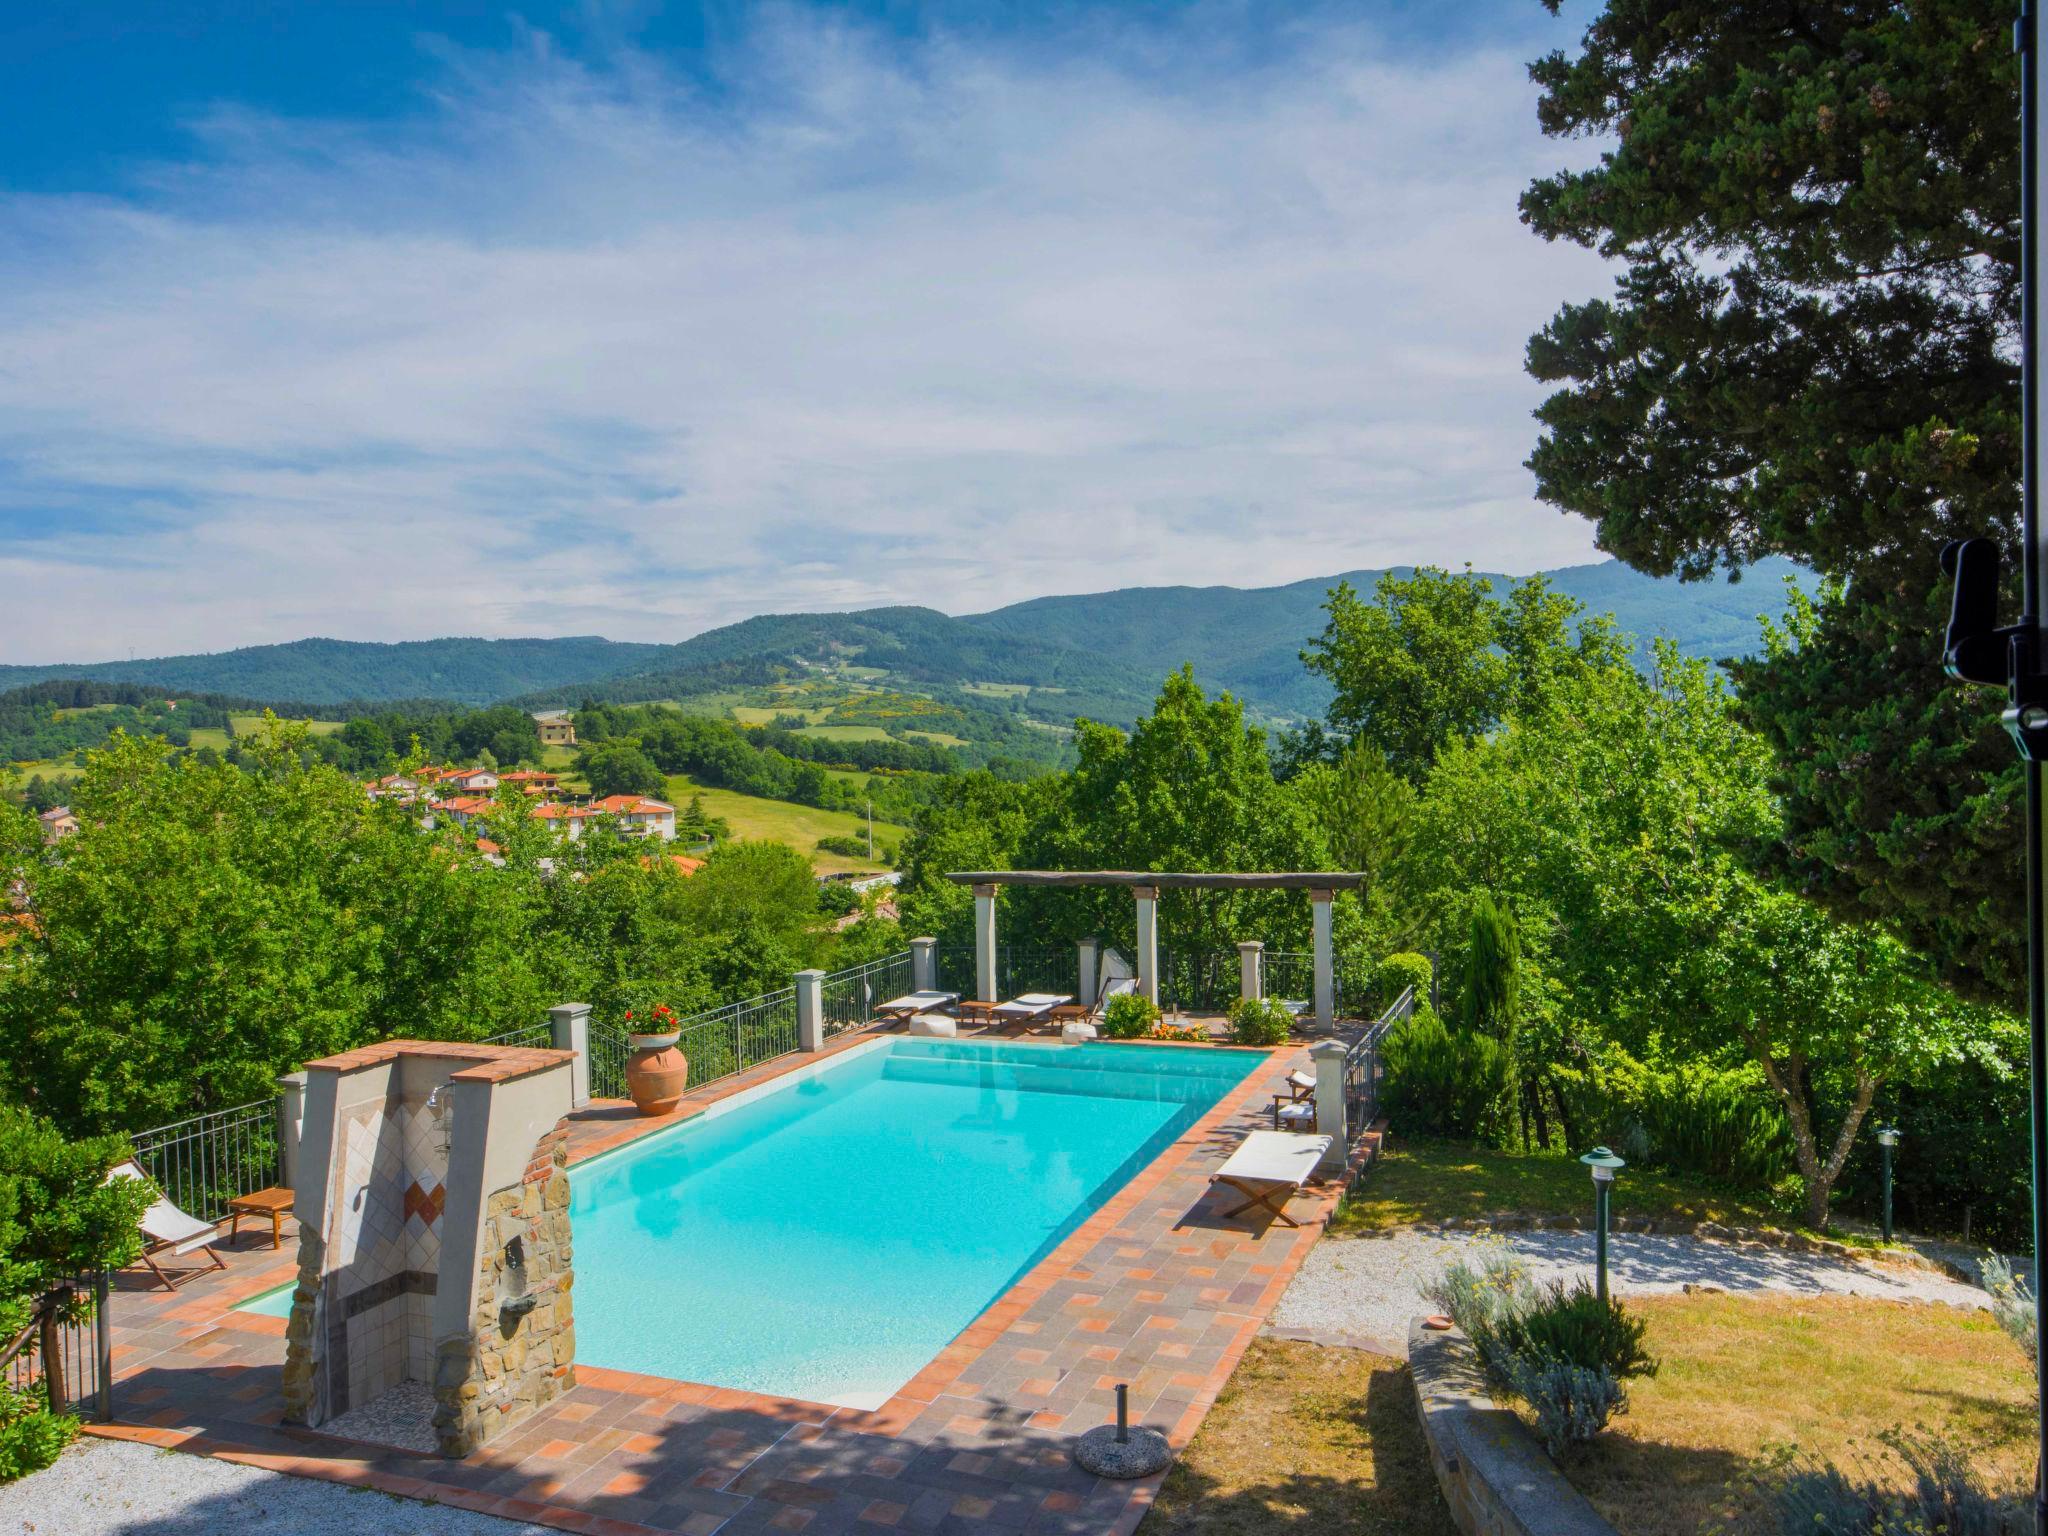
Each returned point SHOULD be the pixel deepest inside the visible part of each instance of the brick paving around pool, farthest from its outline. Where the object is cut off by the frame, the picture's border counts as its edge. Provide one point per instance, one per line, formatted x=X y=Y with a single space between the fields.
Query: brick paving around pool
x=1157 y=1288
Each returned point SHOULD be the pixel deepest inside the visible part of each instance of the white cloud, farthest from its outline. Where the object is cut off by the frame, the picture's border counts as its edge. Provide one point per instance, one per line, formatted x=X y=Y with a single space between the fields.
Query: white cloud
x=926 y=323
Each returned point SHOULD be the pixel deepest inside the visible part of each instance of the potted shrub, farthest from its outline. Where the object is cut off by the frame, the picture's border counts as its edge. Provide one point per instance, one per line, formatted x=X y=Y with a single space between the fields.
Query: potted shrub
x=656 y=1072
x=1260 y=1021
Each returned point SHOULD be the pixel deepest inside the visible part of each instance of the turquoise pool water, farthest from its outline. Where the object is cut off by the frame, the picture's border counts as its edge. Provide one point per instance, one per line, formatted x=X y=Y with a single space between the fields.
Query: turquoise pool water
x=828 y=1238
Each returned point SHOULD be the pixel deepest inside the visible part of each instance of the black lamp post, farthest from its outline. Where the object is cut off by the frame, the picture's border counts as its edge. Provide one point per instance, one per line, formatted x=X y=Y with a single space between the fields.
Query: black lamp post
x=1604 y=1165
x=1888 y=1138
x=1977 y=649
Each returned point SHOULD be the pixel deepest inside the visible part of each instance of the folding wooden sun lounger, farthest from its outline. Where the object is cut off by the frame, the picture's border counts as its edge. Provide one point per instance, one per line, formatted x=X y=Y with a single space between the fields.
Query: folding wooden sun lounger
x=1270 y=1166
x=916 y=1002
x=1029 y=1008
x=168 y=1229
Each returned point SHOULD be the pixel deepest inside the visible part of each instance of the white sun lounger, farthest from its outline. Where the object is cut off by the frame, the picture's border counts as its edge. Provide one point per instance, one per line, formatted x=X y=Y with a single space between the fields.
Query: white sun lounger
x=1270 y=1166
x=1029 y=1007
x=915 y=1002
x=168 y=1229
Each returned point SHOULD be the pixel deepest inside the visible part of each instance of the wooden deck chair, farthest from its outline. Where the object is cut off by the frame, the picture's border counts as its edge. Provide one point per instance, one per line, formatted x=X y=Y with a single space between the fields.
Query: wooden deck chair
x=168 y=1230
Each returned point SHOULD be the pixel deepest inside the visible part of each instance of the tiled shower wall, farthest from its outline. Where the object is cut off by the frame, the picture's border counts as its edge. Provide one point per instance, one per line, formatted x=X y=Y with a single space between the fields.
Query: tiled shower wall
x=385 y=1249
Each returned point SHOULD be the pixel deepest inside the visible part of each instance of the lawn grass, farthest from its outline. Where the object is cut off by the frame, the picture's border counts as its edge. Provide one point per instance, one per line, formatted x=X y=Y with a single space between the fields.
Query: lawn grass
x=213 y=736
x=1739 y=1375
x=784 y=821
x=1429 y=1181
x=1305 y=1438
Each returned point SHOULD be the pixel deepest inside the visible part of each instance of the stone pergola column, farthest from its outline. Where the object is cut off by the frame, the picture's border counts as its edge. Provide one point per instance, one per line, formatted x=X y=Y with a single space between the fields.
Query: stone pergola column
x=1088 y=970
x=924 y=965
x=291 y=1113
x=985 y=944
x=1251 y=969
x=1148 y=941
x=1326 y=965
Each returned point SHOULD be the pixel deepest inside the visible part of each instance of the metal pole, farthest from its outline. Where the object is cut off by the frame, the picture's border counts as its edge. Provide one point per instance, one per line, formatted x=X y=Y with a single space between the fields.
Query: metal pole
x=103 y=1339
x=2034 y=559
x=1123 y=1413
x=1600 y=1193
x=1887 y=1190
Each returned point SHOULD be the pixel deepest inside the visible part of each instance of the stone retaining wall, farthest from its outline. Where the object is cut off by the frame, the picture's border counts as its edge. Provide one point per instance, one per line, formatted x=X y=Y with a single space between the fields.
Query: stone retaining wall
x=1496 y=1478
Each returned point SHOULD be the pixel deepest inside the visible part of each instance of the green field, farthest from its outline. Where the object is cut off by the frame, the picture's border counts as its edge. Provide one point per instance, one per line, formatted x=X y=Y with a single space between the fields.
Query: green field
x=248 y=725
x=936 y=738
x=783 y=821
x=213 y=736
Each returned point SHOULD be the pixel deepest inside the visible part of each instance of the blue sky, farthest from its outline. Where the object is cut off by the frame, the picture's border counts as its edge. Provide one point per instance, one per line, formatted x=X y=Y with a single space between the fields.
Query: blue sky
x=392 y=320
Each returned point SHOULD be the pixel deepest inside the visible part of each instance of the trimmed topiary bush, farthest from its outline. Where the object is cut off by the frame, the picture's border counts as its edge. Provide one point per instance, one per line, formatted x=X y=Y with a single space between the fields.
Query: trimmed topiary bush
x=1440 y=1081
x=1260 y=1021
x=1395 y=974
x=1129 y=1016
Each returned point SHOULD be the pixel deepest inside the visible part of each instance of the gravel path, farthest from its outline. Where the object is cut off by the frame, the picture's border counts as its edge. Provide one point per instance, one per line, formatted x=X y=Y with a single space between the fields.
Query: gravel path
x=118 y=1488
x=1367 y=1287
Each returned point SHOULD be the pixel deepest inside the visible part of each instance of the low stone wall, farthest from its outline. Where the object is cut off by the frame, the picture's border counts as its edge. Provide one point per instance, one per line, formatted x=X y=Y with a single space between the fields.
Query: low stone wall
x=507 y=1367
x=1496 y=1478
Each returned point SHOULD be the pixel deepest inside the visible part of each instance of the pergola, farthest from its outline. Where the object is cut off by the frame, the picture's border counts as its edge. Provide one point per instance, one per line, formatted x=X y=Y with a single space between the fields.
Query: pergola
x=1145 y=886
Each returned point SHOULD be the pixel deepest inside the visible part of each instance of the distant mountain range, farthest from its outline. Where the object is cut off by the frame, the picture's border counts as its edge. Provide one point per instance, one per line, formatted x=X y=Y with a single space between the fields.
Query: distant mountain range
x=1101 y=654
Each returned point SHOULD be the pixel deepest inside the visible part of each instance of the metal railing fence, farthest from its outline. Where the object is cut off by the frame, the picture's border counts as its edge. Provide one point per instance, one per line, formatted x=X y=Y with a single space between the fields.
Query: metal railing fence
x=849 y=996
x=1362 y=1063
x=722 y=1041
x=532 y=1036
x=202 y=1163
x=74 y=1318
x=1199 y=980
x=608 y=1053
x=1019 y=968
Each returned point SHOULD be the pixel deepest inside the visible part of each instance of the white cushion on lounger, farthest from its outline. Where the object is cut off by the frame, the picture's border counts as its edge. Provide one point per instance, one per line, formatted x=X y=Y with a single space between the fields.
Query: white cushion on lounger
x=939 y=1025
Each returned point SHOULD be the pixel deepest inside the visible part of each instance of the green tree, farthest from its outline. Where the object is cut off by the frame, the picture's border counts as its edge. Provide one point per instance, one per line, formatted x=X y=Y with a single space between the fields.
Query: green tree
x=58 y=1217
x=1490 y=997
x=620 y=767
x=1811 y=351
x=1190 y=787
x=1433 y=658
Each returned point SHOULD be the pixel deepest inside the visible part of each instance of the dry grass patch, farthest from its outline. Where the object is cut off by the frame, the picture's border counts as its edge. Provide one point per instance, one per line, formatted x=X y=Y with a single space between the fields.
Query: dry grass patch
x=1739 y=1375
x=1306 y=1438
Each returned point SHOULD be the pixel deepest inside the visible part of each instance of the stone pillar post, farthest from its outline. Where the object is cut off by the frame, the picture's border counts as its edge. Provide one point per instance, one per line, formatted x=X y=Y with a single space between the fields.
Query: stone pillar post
x=1148 y=941
x=985 y=944
x=1328 y=1057
x=1326 y=965
x=810 y=1010
x=1089 y=970
x=569 y=1025
x=1251 y=969
x=924 y=965
x=291 y=1113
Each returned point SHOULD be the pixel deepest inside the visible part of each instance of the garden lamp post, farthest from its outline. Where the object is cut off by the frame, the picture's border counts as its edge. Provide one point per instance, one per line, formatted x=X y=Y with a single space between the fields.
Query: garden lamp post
x=1888 y=1138
x=1604 y=1165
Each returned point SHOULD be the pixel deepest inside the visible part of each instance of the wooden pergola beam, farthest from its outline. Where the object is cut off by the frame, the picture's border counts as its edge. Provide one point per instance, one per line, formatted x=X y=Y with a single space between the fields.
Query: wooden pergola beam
x=1075 y=878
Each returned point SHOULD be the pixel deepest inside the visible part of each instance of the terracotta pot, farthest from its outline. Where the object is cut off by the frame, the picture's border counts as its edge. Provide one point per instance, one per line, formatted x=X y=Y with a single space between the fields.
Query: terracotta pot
x=656 y=1072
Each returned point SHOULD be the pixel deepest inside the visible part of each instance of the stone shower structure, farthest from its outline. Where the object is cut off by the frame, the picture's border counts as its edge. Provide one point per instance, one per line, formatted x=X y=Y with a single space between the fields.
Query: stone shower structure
x=434 y=1239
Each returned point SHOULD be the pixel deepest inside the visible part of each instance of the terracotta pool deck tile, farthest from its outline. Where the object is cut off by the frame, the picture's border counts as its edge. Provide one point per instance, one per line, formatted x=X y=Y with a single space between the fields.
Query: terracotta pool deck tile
x=1154 y=1274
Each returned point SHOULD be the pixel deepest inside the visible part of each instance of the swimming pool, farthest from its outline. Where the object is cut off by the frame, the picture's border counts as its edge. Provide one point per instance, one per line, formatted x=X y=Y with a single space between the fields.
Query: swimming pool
x=827 y=1238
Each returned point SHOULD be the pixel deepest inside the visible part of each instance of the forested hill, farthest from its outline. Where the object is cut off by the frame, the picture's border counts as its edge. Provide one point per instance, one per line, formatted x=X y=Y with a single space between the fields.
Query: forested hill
x=462 y=671
x=1101 y=655
x=1249 y=639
